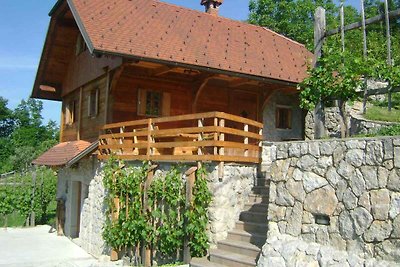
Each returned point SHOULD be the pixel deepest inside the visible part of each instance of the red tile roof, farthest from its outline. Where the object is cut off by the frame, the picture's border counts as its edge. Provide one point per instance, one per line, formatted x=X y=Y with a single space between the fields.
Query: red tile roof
x=62 y=153
x=153 y=30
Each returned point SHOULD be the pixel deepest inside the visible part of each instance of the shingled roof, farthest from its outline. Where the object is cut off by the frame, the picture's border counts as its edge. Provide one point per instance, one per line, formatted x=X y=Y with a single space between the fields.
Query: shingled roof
x=156 y=31
x=61 y=154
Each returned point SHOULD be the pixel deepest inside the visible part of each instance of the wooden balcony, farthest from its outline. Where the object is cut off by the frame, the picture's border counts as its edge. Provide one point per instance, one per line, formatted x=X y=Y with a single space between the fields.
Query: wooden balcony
x=212 y=136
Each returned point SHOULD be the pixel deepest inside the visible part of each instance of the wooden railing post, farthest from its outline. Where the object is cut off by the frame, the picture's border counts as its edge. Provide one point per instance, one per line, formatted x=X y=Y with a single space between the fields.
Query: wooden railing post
x=215 y=136
x=221 y=151
x=150 y=139
x=200 y=124
x=121 y=139
x=246 y=140
x=190 y=180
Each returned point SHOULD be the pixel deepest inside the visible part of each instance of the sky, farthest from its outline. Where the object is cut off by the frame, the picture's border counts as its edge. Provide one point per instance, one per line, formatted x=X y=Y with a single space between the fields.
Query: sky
x=23 y=29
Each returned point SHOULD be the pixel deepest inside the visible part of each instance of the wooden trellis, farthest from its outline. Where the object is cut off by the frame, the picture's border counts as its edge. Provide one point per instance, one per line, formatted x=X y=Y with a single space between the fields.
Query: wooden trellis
x=320 y=34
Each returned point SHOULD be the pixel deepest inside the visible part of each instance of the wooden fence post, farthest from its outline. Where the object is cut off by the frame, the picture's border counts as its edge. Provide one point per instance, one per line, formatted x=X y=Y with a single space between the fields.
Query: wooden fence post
x=32 y=218
x=190 y=180
x=146 y=254
x=319 y=36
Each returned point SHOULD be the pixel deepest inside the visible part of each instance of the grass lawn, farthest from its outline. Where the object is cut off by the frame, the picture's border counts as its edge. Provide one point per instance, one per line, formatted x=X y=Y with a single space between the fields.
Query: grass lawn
x=382 y=114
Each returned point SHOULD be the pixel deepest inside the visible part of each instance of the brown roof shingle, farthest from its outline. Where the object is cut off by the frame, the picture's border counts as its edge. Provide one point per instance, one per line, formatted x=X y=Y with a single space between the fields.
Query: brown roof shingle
x=61 y=154
x=154 y=30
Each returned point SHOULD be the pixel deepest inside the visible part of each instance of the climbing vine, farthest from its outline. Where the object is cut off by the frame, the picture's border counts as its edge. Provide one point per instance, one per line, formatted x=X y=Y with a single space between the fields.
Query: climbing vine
x=197 y=216
x=152 y=213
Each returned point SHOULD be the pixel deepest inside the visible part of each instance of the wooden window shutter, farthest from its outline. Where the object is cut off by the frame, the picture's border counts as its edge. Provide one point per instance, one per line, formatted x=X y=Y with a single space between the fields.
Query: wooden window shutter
x=141 y=104
x=166 y=104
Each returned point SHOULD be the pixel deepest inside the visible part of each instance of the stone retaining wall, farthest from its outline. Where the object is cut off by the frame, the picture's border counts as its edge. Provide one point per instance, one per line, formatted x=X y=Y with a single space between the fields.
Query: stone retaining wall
x=355 y=122
x=352 y=185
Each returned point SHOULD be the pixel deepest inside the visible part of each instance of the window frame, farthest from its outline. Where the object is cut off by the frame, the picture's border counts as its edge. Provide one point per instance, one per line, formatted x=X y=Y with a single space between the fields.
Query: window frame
x=69 y=115
x=286 y=123
x=93 y=111
x=143 y=103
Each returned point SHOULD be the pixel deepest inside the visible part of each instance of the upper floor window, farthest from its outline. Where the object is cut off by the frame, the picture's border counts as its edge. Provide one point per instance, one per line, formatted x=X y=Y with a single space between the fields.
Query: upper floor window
x=153 y=103
x=80 y=45
x=70 y=112
x=283 y=118
x=93 y=103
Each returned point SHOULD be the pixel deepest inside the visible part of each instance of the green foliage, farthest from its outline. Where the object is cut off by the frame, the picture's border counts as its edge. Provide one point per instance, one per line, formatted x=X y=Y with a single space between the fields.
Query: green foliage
x=393 y=130
x=23 y=136
x=16 y=195
x=382 y=114
x=384 y=103
x=197 y=216
x=292 y=18
x=331 y=79
x=156 y=217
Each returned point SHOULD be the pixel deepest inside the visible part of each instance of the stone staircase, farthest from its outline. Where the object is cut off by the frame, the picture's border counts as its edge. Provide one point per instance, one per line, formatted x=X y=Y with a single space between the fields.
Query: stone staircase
x=243 y=244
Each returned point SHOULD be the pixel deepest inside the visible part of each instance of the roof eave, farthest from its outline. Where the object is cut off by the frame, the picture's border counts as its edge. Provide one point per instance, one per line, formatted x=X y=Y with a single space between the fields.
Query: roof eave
x=196 y=67
x=89 y=150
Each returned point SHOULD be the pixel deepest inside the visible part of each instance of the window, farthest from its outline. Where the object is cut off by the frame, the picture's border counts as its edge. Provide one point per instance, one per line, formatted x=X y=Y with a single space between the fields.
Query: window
x=70 y=113
x=153 y=103
x=283 y=118
x=93 y=103
x=80 y=45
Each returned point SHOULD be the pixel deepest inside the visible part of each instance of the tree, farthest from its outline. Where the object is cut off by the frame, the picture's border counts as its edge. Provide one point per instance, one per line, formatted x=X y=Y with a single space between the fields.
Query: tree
x=292 y=18
x=6 y=119
x=23 y=136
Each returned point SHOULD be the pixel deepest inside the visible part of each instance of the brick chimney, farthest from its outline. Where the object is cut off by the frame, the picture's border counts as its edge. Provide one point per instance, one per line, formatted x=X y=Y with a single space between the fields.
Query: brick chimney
x=212 y=6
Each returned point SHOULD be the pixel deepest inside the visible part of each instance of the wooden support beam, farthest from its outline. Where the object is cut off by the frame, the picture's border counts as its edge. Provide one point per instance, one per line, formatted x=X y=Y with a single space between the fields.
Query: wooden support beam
x=319 y=33
x=393 y=14
x=116 y=76
x=190 y=180
x=78 y=137
x=198 y=93
x=239 y=82
x=160 y=71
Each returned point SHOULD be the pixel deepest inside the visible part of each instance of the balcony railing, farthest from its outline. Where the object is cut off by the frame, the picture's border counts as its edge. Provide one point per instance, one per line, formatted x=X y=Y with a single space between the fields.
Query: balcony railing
x=212 y=136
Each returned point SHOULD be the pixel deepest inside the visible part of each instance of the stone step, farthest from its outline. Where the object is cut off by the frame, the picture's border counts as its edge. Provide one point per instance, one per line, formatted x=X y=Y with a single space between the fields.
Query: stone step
x=259 y=228
x=239 y=247
x=204 y=262
x=261 y=190
x=250 y=216
x=231 y=259
x=257 y=198
x=256 y=207
x=255 y=239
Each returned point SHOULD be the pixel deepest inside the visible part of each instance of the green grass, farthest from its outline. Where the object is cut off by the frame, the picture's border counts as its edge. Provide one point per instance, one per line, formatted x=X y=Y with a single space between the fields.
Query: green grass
x=382 y=114
x=13 y=220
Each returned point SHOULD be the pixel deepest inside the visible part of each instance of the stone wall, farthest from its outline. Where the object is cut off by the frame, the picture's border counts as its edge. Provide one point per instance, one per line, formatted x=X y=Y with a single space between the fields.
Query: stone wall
x=344 y=194
x=229 y=197
x=88 y=172
x=359 y=125
x=355 y=123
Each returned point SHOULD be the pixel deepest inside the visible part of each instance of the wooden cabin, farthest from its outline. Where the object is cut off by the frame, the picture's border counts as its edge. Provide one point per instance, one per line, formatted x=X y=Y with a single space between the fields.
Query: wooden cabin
x=151 y=80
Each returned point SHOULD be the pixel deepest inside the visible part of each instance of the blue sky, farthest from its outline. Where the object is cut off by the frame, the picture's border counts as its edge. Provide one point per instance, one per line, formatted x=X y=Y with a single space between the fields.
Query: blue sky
x=23 y=28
